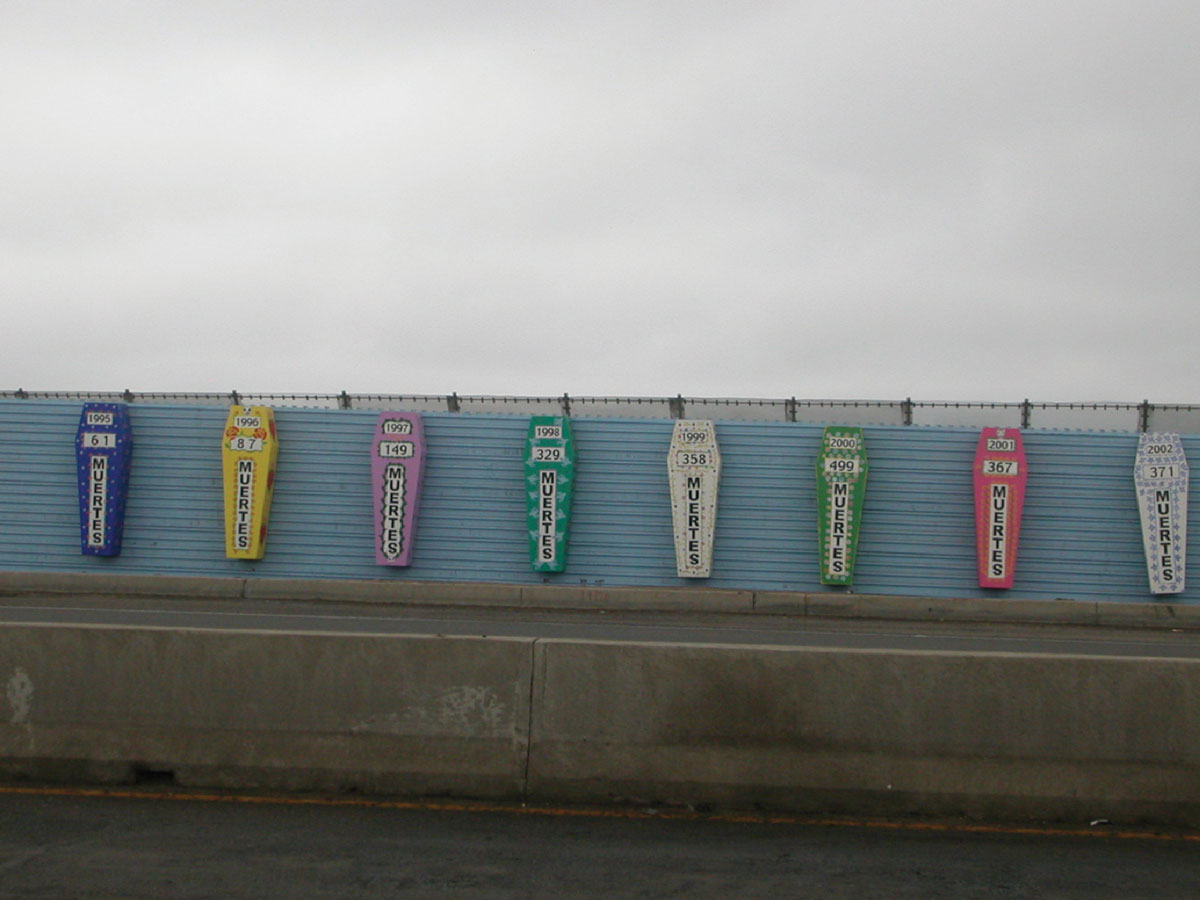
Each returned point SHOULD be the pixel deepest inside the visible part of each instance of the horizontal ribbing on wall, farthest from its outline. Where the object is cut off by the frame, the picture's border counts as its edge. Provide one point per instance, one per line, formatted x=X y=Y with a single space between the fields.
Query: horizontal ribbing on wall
x=1080 y=536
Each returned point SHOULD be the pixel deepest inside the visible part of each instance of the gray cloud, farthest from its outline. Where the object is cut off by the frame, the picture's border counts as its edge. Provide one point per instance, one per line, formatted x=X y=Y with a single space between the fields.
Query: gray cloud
x=963 y=201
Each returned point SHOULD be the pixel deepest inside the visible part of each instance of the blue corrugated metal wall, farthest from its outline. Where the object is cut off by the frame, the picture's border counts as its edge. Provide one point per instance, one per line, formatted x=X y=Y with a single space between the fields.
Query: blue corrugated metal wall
x=1080 y=536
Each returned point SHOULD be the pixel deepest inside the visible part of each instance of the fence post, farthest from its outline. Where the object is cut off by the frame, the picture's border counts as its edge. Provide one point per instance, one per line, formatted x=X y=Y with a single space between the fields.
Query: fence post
x=1144 y=416
x=566 y=405
x=1026 y=412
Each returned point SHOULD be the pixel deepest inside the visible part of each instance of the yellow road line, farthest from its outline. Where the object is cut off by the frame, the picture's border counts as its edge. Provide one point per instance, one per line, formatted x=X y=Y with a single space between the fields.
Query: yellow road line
x=617 y=812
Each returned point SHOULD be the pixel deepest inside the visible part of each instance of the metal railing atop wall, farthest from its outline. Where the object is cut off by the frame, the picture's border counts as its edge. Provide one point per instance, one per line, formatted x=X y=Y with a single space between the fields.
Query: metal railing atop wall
x=1091 y=416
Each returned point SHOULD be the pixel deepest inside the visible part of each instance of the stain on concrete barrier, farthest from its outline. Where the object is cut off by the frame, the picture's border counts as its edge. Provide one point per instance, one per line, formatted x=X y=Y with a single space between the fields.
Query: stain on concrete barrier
x=19 y=693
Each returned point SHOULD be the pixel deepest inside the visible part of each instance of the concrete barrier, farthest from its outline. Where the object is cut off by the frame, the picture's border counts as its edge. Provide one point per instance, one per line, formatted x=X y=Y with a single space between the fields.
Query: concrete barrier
x=312 y=711
x=699 y=599
x=814 y=730
x=867 y=732
x=119 y=583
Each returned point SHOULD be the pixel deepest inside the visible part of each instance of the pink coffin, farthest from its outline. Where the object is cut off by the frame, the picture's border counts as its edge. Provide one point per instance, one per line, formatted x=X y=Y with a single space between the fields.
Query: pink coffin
x=397 y=469
x=1000 y=475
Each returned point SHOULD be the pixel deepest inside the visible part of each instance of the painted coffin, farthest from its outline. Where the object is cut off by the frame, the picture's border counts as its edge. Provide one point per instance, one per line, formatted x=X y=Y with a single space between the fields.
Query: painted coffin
x=249 y=450
x=694 y=470
x=1000 y=475
x=397 y=471
x=103 y=452
x=549 y=486
x=1160 y=475
x=841 y=487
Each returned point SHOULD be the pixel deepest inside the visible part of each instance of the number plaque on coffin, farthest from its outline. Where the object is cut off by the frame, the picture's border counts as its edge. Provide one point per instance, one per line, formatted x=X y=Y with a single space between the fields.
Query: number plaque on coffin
x=549 y=486
x=103 y=452
x=397 y=472
x=249 y=450
x=999 y=497
x=1160 y=476
x=694 y=470
x=841 y=488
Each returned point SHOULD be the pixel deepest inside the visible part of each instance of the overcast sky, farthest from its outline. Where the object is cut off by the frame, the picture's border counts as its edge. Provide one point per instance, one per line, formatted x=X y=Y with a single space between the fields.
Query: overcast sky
x=942 y=200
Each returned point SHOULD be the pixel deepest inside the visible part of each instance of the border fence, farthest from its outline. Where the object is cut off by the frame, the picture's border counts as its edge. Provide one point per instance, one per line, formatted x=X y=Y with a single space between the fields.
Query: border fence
x=1090 y=416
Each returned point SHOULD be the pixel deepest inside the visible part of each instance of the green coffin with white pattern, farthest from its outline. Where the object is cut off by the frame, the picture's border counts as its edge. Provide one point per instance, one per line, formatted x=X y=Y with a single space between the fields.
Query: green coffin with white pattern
x=549 y=486
x=841 y=487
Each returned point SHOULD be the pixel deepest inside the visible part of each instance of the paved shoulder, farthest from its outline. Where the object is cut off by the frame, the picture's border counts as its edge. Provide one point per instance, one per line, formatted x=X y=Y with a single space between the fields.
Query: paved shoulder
x=227 y=847
x=617 y=625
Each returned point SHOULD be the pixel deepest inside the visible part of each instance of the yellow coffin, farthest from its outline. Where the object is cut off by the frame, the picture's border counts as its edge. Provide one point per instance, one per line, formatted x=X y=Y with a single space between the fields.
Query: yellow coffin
x=249 y=449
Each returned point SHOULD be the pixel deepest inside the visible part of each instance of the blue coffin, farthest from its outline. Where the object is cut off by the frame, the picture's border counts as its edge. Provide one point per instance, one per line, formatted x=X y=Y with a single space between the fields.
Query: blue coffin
x=103 y=450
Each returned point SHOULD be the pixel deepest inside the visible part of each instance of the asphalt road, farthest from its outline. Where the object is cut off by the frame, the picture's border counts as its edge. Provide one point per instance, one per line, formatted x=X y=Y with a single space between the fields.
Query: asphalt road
x=72 y=844
x=757 y=629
